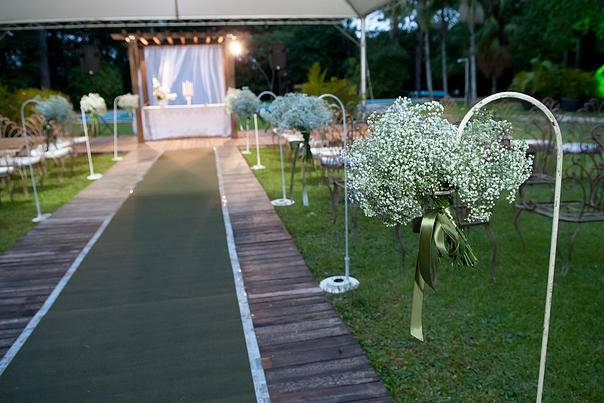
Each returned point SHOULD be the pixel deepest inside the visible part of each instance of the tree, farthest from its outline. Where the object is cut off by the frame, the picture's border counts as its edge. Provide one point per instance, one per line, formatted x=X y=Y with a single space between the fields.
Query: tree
x=43 y=52
x=424 y=14
x=493 y=50
x=445 y=14
x=472 y=13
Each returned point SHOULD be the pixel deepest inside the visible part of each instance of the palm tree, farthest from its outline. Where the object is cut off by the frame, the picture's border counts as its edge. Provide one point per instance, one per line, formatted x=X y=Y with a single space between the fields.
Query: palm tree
x=472 y=13
x=444 y=17
x=424 y=14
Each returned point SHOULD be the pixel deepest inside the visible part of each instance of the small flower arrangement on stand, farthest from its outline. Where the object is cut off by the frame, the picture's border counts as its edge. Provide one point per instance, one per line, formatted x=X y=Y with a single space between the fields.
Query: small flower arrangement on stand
x=413 y=167
x=95 y=105
x=244 y=104
x=128 y=102
x=162 y=93
x=303 y=113
x=57 y=111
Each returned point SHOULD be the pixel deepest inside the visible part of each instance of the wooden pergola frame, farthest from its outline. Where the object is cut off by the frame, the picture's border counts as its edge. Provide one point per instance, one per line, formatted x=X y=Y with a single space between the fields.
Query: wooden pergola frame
x=135 y=41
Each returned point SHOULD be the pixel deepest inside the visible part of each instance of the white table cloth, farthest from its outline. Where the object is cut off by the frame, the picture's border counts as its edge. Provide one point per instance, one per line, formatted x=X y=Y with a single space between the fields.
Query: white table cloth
x=173 y=121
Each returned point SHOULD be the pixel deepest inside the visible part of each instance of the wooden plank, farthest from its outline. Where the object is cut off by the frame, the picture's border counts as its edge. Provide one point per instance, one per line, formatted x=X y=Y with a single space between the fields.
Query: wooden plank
x=307 y=352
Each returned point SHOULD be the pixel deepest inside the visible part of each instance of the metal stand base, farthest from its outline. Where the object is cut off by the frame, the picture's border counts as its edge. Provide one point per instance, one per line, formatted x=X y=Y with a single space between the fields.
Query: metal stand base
x=117 y=159
x=282 y=202
x=41 y=217
x=258 y=167
x=94 y=177
x=338 y=284
x=246 y=152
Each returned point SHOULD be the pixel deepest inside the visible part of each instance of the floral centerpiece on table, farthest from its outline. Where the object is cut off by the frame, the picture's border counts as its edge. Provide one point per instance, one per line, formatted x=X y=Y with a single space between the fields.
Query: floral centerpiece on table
x=57 y=111
x=162 y=93
x=413 y=166
x=128 y=102
x=95 y=105
x=301 y=112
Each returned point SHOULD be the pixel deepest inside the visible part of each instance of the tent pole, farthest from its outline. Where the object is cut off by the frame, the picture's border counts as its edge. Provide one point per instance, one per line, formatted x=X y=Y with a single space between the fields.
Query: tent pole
x=363 y=66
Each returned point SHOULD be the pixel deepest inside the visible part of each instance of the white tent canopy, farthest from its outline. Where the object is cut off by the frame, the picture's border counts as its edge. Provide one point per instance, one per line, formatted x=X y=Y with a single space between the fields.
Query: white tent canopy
x=15 y=14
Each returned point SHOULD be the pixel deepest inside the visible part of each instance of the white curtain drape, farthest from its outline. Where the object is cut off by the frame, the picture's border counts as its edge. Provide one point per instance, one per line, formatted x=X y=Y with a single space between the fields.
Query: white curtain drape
x=203 y=65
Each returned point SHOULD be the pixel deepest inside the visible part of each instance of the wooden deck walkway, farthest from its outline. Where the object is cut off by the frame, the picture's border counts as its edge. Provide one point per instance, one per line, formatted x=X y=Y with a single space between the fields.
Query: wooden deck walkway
x=307 y=352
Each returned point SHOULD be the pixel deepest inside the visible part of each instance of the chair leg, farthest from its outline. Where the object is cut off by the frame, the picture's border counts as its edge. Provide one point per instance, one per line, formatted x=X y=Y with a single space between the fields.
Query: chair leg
x=61 y=166
x=23 y=173
x=333 y=192
x=517 y=226
x=11 y=189
x=42 y=169
x=571 y=244
x=493 y=239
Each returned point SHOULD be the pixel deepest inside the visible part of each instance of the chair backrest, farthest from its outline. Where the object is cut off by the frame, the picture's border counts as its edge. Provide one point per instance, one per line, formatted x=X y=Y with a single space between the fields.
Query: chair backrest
x=8 y=128
x=583 y=178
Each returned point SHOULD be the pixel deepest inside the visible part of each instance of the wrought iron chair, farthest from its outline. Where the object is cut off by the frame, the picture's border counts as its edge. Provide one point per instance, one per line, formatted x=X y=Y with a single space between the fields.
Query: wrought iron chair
x=583 y=181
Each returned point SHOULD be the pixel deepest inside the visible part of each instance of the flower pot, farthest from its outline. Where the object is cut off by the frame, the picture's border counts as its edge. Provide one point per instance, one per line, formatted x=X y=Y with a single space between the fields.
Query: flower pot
x=569 y=104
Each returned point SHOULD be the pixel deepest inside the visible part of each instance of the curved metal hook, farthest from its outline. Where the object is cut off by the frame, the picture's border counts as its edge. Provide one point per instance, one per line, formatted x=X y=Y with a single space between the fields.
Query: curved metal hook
x=266 y=93
x=345 y=143
x=556 y=215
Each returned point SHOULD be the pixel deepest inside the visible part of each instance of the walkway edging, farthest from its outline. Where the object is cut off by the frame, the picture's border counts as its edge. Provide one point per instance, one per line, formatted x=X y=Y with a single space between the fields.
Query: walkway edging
x=258 y=376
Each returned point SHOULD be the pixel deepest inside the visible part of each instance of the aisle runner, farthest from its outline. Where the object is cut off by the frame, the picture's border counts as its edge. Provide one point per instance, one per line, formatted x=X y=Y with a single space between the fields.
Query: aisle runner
x=151 y=313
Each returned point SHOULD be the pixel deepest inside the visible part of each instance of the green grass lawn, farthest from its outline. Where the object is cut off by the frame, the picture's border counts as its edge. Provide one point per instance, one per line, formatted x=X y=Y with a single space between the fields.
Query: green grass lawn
x=15 y=217
x=483 y=338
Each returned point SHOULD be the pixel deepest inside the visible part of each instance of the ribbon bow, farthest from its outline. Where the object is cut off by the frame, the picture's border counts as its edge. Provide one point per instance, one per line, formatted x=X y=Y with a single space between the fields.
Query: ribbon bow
x=438 y=228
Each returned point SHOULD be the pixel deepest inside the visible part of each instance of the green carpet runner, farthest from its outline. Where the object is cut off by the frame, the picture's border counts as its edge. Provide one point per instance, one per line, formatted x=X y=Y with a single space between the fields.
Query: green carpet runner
x=151 y=314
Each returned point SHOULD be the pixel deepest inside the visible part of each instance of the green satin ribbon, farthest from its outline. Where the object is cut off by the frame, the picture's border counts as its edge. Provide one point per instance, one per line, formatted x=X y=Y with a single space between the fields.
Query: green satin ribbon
x=439 y=236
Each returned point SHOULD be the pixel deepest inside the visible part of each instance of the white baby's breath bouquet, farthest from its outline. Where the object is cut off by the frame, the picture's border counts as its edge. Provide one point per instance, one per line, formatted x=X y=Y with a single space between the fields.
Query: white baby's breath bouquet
x=128 y=102
x=57 y=112
x=301 y=112
x=241 y=102
x=413 y=166
x=162 y=93
x=94 y=104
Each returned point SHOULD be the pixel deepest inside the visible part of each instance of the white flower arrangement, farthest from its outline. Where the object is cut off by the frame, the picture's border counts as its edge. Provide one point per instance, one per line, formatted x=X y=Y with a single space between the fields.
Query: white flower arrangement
x=413 y=153
x=128 y=102
x=94 y=104
x=162 y=93
x=296 y=111
x=55 y=109
x=413 y=165
x=241 y=102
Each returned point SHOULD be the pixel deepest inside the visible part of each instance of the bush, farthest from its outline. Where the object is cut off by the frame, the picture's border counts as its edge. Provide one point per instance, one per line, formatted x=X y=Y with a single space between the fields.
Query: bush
x=10 y=108
x=107 y=83
x=549 y=80
x=317 y=84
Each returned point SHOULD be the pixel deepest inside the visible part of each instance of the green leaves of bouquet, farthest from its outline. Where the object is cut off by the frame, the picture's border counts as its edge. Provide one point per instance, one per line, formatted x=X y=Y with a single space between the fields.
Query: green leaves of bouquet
x=413 y=165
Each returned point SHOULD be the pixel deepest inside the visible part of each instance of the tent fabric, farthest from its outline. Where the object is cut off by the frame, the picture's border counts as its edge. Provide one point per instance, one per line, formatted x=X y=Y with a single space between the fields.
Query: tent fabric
x=65 y=11
x=203 y=65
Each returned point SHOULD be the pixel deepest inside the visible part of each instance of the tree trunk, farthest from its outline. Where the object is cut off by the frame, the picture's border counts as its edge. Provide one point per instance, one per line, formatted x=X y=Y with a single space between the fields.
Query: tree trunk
x=443 y=64
x=43 y=54
x=418 y=64
x=427 y=63
x=473 y=89
x=493 y=84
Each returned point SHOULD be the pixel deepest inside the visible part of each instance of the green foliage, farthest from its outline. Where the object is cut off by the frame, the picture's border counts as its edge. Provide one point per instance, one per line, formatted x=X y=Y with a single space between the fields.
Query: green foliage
x=317 y=84
x=107 y=82
x=547 y=79
x=11 y=104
